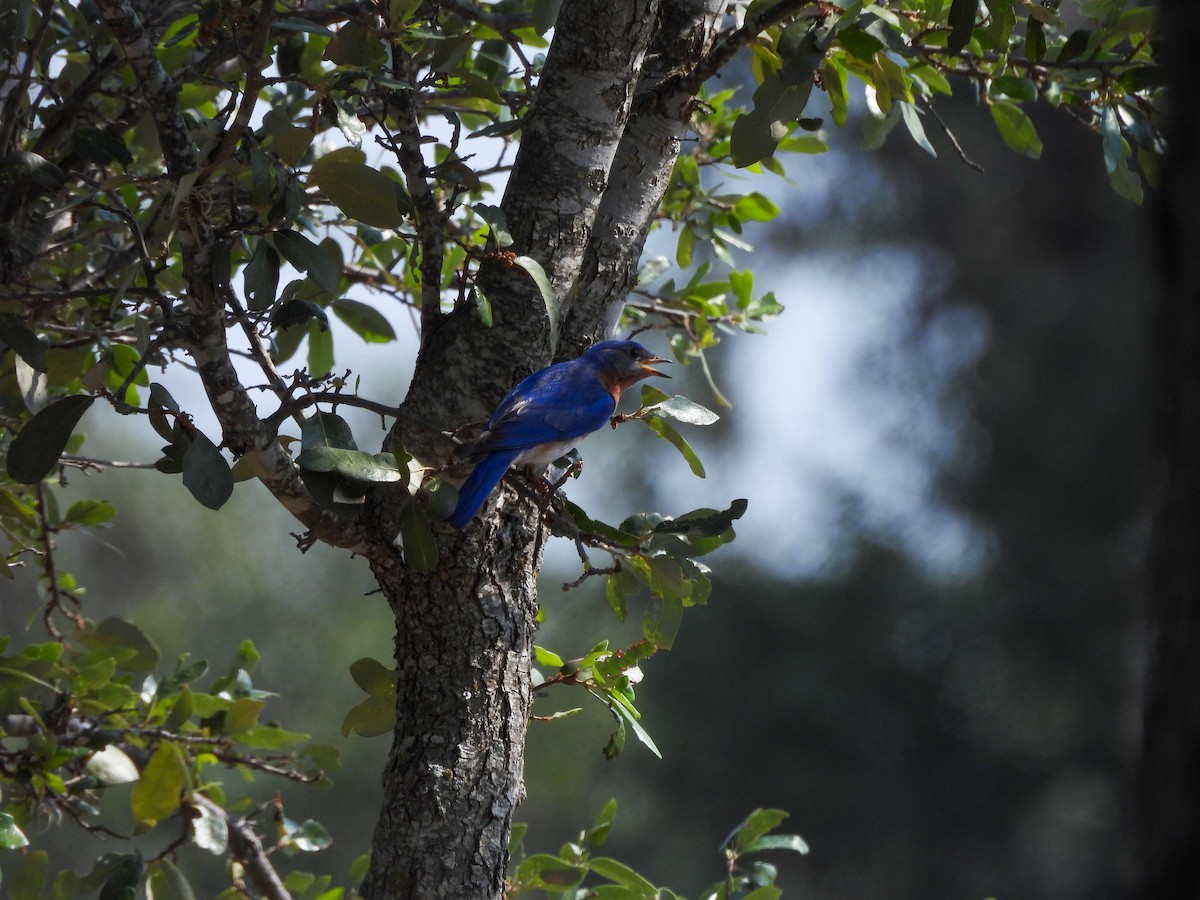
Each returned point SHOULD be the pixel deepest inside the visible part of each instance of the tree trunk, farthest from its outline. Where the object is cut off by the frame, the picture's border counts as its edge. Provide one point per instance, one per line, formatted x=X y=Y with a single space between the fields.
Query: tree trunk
x=1168 y=802
x=464 y=630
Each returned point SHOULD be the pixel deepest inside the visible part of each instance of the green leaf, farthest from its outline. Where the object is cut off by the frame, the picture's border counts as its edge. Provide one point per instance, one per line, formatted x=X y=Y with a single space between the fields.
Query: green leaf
x=372 y=468
x=308 y=257
x=859 y=43
x=30 y=878
x=1035 y=39
x=1022 y=89
x=754 y=207
x=260 y=277
x=326 y=429
x=420 y=549
x=122 y=884
x=374 y=677
x=371 y=717
x=118 y=633
x=538 y=274
x=34 y=452
x=677 y=440
x=26 y=166
x=295 y=312
x=911 y=118
x=242 y=715
x=98 y=146
x=166 y=882
x=364 y=320
x=753 y=827
x=685 y=246
x=778 y=842
x=777 y=106
x=206 y=472
x=157 y=794
x=1126 y=182
x=545 y=13
x=1111 y=141
x=11 y=837
x=483 y=307
x=623 y=710
x=90 y=513
x=270 y=737
x=547 y=658
x=361 y=192
x=663 y=617
x=320 y=349
x=533 y=869
x=609 y=533
x=623 y=875
x=1016 y=129
x=704 y=521
x=22 y=341
x=961 y=20
x=310 y=837
x=833 y=76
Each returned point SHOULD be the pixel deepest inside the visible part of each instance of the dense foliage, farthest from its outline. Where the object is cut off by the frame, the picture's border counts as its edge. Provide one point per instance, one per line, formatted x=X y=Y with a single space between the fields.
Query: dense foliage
x=208 y=186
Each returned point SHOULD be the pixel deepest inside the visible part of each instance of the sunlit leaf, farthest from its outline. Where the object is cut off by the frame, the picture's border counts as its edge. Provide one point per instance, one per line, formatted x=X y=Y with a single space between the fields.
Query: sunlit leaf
x=12 y=837
x=1016 y=129
x=158 y=793
x=538 y=274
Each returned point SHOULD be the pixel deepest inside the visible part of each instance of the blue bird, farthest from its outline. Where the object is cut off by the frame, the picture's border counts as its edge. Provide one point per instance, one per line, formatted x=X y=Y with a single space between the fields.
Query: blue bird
x=548 y=413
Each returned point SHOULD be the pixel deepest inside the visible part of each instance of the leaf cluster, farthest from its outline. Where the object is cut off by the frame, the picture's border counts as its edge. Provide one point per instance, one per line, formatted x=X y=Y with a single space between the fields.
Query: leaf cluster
x=80 y=717
x=576 y=872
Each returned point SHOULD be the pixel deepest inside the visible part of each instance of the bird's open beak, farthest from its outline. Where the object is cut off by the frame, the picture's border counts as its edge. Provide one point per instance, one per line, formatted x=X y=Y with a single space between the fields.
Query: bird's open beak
x=648 y=366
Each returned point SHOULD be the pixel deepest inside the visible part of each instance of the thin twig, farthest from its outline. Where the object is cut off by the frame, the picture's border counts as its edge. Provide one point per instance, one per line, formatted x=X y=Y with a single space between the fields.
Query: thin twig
x=246 y=848
x=85 y=463
x=950 y=134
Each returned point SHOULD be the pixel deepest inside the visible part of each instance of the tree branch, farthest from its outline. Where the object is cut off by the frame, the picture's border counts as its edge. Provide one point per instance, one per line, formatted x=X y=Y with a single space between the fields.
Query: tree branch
x=246 y=848
x=641 y=170
x=244 y=433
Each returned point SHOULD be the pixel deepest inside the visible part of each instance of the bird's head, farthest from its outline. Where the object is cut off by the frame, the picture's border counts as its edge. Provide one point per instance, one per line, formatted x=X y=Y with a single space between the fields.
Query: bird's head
x=625 y=362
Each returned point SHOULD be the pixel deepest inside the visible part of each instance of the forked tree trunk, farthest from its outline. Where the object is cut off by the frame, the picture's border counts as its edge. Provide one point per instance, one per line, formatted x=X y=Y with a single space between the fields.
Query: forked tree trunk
x=591 y=157
x=1168 y=803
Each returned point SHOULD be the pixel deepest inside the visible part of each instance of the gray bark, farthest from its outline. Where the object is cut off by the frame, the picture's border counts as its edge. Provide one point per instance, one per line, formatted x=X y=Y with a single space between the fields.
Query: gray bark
x=591 y=170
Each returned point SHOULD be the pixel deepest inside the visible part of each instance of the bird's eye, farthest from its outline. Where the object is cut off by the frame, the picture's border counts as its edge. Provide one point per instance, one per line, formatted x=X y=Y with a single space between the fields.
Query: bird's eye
x=633 y=353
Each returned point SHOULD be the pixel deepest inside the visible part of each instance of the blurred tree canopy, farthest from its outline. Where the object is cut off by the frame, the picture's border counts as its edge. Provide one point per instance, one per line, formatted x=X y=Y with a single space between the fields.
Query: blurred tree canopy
x=198 y=188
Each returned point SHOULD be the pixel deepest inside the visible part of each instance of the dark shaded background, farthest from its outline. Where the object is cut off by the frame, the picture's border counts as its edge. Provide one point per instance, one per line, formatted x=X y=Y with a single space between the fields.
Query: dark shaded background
x=933 y=736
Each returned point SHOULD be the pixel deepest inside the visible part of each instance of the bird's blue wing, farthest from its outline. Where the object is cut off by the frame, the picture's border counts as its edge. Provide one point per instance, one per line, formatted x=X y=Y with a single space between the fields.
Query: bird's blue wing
x=560 y=403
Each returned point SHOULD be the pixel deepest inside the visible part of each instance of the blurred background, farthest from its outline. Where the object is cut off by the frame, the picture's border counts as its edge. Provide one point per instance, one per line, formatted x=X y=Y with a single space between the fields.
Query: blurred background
x=923 y=643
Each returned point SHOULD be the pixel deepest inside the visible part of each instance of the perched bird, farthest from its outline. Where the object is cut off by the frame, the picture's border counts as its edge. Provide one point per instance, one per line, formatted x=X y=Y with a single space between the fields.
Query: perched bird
x=545 y=415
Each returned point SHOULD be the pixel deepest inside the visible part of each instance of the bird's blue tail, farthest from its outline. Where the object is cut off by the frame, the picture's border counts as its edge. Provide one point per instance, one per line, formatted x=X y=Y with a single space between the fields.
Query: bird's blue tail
x=479 y=485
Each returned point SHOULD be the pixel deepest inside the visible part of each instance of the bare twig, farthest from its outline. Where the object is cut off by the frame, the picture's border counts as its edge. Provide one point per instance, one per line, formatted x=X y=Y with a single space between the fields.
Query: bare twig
x=246 y=848
x=54 y=592
x=950 y=134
